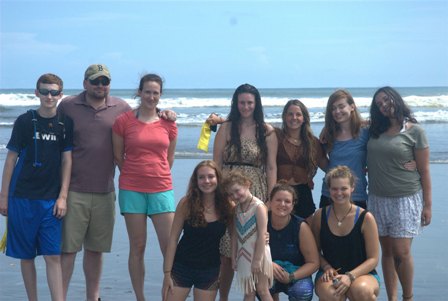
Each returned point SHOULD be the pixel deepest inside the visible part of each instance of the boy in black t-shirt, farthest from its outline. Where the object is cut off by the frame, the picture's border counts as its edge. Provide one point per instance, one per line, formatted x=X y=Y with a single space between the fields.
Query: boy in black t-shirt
x=35 y=184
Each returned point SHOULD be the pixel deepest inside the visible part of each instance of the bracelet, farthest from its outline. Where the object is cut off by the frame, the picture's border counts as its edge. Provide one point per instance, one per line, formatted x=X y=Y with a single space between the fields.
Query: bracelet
x=350 y=276
x=166 y=272
x=291 y=277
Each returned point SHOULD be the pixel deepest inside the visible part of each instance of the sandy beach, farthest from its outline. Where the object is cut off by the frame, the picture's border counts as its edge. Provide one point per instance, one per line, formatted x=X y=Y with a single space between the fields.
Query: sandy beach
x=431 y=266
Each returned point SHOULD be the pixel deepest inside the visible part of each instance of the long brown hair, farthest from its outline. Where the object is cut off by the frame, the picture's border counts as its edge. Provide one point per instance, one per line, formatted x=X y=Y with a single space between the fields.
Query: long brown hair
x=224 y=208
x=331 y=127
x=306 y=136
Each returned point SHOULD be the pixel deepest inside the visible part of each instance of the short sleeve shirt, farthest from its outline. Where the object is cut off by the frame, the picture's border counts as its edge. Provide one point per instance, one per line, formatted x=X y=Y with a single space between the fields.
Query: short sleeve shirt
x=145 y=167
x=39 y=147
x=353 y=154
x=93 y=166
x=386 y=156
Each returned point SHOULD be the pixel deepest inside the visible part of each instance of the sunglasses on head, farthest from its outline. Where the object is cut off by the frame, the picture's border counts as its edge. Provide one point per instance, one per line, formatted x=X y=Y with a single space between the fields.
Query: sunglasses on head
x=103 y=80
x=45 y=92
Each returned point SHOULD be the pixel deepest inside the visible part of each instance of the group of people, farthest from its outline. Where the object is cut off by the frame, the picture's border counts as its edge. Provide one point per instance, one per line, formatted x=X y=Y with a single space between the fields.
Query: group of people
x=249 y=210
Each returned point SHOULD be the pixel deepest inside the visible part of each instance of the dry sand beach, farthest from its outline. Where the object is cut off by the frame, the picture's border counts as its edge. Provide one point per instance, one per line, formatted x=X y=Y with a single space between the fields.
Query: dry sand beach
x=429 y=249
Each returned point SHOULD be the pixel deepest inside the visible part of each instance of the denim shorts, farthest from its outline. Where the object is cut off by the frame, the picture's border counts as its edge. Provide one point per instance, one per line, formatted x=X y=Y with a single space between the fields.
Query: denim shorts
x=187 y=277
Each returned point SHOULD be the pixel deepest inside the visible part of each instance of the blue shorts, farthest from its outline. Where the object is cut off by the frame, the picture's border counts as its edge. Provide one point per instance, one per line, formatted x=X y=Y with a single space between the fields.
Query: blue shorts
x=187 y=277
x=32 y=228
x=146 y=203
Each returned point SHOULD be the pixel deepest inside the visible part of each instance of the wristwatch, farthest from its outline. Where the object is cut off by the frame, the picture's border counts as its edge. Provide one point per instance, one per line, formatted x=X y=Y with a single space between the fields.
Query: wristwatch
x=351 y=276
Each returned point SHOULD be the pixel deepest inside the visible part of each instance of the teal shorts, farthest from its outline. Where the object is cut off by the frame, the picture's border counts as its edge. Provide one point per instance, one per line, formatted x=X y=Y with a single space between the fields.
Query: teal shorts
x=146 y=203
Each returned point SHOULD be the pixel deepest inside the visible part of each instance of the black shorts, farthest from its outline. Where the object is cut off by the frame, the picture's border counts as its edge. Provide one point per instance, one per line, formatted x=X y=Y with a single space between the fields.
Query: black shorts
x=305 y=204
x=187 y=277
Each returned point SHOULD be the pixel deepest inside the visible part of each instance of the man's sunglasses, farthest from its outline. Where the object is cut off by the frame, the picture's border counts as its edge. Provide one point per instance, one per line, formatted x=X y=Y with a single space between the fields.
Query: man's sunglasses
x=96 y=82
x=45 y=92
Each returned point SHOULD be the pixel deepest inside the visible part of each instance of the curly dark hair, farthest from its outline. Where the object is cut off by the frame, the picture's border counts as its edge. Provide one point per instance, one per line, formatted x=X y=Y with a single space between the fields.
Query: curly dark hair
x=235 y=116
x=195 y=216
x=380 y=123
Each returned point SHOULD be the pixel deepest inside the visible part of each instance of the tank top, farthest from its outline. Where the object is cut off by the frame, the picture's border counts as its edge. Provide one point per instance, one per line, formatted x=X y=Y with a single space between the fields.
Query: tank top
x=284 y=243
x=344 y=252
x=199 y=246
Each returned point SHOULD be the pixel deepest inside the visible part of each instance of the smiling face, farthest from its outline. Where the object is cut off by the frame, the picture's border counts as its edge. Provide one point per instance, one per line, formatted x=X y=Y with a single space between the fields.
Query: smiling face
x=341 y=190
x=282 y=203
x=239 y=193
x=385 y=104
x=150 y=95
x=342 y=111
x=207 y=180
x=293 y=118
x=246 y=105
x=97 y=91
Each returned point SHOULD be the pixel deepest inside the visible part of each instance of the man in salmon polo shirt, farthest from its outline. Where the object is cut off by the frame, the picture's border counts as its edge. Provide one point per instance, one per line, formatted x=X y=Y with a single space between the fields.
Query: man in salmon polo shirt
x=91 y=199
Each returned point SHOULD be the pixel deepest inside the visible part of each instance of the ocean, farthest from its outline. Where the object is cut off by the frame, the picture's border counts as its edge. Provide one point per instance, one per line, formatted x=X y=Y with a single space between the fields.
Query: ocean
x=429 y=105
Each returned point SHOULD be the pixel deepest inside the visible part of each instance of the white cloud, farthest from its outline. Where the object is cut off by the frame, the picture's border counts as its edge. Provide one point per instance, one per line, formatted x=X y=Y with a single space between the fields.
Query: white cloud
x=23 y=43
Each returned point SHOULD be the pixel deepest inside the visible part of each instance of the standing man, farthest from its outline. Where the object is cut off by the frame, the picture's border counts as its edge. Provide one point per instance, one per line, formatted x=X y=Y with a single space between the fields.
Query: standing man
x=90 y=215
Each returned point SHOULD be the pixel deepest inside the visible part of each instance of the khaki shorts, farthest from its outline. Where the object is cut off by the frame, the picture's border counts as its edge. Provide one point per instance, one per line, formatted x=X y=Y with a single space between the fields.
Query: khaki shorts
x=89 y=221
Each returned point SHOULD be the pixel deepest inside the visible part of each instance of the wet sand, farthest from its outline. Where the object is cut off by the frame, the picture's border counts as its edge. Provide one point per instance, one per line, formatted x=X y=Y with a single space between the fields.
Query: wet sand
x=431 y=263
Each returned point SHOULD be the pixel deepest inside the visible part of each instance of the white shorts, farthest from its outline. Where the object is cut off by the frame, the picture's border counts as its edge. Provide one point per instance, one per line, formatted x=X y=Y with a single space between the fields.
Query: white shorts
x=397 y=217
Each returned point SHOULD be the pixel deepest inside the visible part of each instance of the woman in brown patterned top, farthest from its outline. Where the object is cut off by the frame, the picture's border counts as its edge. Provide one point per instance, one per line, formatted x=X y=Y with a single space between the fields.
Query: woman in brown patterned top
x=298 y=156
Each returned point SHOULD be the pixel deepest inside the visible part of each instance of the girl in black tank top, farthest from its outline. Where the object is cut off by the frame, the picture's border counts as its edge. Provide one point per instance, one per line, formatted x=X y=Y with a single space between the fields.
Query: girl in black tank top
x=202 y=215
x=347 y=239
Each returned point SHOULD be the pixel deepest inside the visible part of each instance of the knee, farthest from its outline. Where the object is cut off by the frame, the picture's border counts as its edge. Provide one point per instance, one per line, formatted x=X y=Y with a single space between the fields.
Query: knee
x=52 y=259
x=263 y=292
x=138 y=248
x=362 y=291
x=301 y=291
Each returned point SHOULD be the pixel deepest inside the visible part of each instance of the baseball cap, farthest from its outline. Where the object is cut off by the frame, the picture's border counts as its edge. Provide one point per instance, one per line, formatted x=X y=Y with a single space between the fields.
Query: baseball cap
x=96 y=70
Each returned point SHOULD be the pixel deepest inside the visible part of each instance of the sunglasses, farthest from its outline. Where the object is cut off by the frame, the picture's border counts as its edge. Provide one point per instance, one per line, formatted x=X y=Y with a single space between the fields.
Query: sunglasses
x=45 y=92
x=100 y=80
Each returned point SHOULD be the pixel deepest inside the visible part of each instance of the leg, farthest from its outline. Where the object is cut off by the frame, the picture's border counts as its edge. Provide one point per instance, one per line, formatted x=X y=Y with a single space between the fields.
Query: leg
x=162 y=224
x=387 y=263
x=29 y=278
x=225 y=278
x=301 y=290
x=364 y=288
x=54 y=276
x=249 y=297
x=179 y=294
x=67 y=265
x=206 y=295
x=136 y=226
x=92 y=264
x=404 y=265
x=263 y=288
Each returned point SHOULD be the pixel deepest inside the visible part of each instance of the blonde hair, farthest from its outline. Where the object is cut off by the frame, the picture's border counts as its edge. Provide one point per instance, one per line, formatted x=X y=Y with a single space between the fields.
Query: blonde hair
x=338 y=172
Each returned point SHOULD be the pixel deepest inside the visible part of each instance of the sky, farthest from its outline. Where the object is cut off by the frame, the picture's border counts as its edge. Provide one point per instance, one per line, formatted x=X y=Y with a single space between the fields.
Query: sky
x=221 y=44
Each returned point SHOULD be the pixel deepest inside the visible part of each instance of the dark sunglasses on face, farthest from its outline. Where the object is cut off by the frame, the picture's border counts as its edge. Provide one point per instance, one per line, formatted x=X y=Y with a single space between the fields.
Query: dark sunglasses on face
x=103 y=80
x=45 y=92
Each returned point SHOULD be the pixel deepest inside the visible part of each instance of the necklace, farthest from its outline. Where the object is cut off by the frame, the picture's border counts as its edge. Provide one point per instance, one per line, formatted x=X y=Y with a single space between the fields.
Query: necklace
x=209 y=209
x=248 y=205
x=342 y=219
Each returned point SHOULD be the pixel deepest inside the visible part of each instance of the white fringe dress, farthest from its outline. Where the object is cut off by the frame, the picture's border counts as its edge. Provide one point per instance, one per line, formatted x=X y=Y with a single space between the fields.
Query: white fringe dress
x=246 y=231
